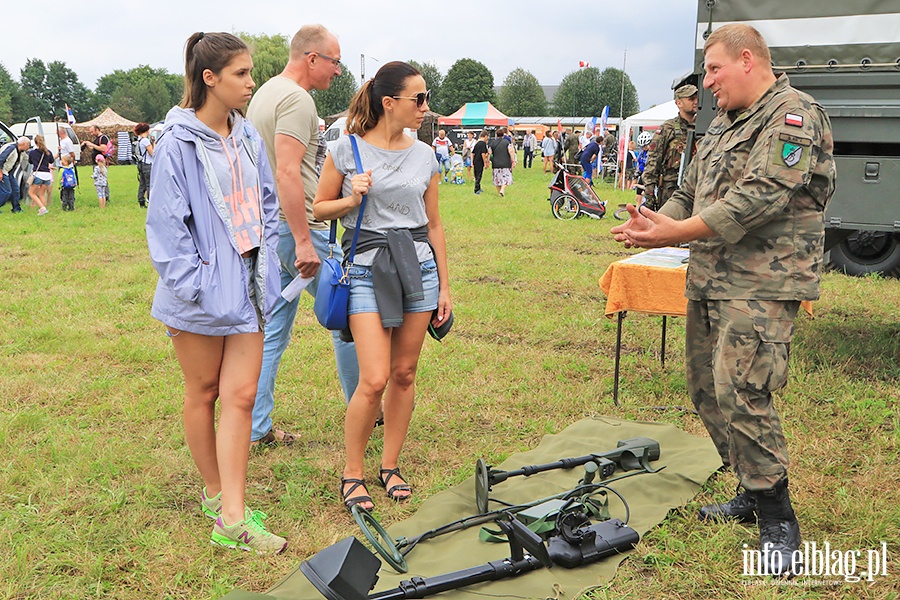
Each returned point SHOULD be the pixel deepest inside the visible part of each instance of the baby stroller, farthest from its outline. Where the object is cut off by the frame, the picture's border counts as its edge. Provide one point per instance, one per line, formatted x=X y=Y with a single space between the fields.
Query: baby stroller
x=456 y=169
x=571 y=196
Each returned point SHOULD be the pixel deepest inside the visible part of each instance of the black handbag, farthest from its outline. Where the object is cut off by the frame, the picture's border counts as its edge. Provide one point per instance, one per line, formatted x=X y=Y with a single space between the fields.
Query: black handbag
x=333 y=294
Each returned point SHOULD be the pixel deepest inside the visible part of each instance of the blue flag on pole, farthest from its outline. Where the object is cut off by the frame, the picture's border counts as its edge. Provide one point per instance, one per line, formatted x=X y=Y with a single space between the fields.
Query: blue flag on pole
x=69 y=116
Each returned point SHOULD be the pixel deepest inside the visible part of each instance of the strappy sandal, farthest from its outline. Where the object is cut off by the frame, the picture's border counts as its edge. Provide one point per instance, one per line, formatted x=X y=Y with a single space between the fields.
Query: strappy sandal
x=271 y=439
x=400 y=487
x=351 y=501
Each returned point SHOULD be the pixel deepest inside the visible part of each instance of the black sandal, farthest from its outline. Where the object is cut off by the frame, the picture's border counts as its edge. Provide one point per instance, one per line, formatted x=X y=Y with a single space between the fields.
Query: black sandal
x=350 y=502
x=400 y=487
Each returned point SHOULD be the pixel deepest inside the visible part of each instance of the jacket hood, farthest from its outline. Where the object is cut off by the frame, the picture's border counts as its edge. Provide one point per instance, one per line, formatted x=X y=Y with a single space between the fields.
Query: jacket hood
x=184 y=125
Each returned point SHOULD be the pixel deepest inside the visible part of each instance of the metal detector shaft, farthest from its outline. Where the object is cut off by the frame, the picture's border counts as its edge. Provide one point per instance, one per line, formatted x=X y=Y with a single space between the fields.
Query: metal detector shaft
x=626 y=450
x=418 y=587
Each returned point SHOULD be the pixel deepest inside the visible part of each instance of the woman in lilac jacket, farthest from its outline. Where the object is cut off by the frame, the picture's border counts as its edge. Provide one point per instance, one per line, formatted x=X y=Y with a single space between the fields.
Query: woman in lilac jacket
x=212 y=231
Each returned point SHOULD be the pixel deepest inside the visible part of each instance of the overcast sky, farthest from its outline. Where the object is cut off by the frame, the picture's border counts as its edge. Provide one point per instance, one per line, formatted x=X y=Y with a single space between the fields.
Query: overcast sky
x=545 y=37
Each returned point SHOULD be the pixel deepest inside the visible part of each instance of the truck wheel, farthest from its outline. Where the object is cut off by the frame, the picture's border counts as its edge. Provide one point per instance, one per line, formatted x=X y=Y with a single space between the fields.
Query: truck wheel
x=867 y=252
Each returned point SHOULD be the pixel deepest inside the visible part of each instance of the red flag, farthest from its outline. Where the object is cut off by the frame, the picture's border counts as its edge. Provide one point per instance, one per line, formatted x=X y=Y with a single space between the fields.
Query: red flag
x=583 y=63
x=559 y=125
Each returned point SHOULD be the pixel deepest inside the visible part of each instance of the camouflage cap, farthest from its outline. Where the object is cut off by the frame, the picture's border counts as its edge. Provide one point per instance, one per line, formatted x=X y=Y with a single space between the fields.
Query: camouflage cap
x=686 y=91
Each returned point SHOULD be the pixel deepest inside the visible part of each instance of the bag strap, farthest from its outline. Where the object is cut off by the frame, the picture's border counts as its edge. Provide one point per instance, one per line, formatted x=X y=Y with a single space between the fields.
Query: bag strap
x=332 y=238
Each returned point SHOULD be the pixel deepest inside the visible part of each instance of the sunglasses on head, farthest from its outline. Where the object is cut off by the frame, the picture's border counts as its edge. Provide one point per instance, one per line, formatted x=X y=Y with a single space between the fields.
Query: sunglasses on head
x=421 y=98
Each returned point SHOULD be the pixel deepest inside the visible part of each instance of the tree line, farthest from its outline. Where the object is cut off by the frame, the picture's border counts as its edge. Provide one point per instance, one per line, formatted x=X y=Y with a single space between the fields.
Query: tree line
x=146 y=94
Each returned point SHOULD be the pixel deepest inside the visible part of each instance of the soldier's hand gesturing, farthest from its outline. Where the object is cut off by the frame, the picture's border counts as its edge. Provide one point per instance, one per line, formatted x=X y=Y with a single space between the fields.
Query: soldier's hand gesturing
x=636 y=229
x=647 y=229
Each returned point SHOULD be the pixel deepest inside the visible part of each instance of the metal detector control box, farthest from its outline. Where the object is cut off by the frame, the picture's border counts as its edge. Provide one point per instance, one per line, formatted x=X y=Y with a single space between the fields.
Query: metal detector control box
x=597 y=541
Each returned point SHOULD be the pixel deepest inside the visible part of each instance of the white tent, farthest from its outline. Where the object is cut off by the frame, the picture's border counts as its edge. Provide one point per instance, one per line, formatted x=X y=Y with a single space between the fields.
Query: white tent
x=652 y=117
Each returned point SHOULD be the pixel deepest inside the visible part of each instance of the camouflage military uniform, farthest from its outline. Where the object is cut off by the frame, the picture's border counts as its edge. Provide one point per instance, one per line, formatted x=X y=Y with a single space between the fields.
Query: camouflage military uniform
x=760 y=179
x=664 y=161
x=571 y=148
x=609 y=145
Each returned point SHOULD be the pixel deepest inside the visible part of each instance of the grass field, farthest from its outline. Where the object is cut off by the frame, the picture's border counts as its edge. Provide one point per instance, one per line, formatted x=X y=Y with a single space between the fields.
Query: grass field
x=98 y=493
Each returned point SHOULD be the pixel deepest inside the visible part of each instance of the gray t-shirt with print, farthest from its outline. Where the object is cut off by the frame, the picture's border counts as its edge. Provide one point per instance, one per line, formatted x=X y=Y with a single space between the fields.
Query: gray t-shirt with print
x=397 y=196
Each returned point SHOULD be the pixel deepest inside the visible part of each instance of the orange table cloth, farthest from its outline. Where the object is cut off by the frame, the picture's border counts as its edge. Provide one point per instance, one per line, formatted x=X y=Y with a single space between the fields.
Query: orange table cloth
x=650 y=282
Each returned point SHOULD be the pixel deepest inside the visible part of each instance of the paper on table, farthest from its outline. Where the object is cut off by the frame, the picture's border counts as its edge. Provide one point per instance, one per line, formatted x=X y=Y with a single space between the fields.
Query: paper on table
x=670 y=258
x=292 y=291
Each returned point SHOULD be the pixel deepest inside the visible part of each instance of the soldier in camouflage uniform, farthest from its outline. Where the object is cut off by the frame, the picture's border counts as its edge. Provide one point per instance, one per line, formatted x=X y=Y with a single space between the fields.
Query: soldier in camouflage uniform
x=571 y=148
x=664 y=154
x=609 y=147
x=752 y=205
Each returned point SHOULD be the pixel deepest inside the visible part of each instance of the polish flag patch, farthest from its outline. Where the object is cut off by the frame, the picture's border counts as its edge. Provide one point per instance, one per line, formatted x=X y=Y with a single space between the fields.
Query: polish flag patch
x=795 y=120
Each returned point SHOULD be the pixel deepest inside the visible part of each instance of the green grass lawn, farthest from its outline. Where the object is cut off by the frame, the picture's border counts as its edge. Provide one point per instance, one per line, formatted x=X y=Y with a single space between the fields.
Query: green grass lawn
x=98 y=493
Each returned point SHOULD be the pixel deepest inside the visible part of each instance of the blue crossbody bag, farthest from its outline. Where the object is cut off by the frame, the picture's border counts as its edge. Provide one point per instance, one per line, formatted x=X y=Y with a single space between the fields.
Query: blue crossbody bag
x=333 y=294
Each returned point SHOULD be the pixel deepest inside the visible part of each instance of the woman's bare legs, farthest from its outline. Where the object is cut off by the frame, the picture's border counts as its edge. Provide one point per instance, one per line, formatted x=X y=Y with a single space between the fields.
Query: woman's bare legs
x=399 y=397
x=36 y=193
x=373 y=353
x=226 y=368
x=387 y=363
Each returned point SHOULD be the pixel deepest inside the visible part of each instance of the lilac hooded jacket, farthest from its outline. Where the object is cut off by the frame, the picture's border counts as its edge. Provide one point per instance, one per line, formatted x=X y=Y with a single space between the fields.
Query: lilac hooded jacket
x=203 y=282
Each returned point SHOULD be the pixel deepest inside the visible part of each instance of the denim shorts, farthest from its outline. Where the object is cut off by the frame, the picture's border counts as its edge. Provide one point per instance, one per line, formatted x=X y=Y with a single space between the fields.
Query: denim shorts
x=362 y=293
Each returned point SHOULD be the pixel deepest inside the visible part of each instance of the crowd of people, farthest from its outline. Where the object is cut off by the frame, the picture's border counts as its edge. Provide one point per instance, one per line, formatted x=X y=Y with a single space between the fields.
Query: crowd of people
x=32 y=155
x=239 y=210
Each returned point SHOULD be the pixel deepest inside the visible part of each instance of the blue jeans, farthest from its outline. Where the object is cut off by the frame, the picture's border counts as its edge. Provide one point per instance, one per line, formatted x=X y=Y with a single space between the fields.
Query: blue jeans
x=443 y=164
x=9 y=191
x=362 y=290
x=278 y=333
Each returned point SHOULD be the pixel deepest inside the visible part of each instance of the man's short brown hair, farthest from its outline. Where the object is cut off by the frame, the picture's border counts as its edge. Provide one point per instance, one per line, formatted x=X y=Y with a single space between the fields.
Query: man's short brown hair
x=736 y=37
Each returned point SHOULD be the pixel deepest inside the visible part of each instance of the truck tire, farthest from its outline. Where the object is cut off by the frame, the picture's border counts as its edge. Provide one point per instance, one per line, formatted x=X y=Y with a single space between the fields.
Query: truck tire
x=867 y=252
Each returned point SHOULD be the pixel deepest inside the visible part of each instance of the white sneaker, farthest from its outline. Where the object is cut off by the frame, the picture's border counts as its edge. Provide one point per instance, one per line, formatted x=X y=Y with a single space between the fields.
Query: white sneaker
x=43 y=211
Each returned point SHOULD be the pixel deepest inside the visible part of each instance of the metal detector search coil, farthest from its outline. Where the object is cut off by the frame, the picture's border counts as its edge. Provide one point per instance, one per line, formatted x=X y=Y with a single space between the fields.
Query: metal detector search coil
x=630 y=454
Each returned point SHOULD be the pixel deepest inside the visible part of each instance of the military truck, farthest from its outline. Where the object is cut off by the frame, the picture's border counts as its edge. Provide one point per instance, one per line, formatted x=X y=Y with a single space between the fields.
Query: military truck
x=847 y=56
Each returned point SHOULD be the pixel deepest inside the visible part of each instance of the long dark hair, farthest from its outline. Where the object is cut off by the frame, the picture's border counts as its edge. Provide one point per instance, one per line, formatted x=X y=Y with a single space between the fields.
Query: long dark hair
x=366 y=108
x=203 y=51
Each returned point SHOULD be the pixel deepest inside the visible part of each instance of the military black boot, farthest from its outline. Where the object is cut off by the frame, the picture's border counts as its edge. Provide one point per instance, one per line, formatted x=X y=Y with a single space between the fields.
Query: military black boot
x=779 y=531
x=741 y=508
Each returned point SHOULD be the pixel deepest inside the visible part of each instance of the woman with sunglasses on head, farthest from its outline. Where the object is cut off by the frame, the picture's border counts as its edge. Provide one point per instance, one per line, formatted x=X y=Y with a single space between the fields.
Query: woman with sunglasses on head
x=398 y=278
x=212 y=231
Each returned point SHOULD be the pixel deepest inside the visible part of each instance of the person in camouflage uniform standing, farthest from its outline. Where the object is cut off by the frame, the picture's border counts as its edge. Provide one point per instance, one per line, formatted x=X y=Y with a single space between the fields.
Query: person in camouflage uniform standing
x=571 y=148
x=752 y=205
x=664 y=154
x=609 y=146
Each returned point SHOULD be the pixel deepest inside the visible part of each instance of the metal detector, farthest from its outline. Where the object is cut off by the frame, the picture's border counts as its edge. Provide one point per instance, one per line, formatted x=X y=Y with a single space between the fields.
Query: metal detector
x=394 y=551
x=347 y=571
x=630 y=454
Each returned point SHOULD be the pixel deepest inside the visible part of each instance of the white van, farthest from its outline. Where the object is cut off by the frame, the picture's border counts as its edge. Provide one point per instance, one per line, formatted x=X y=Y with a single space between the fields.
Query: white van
x=51 y=132
x=336 y=130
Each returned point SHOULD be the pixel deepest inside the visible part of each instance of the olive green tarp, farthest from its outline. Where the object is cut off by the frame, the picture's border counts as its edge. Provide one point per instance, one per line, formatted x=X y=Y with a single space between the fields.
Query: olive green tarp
x=688 y=460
